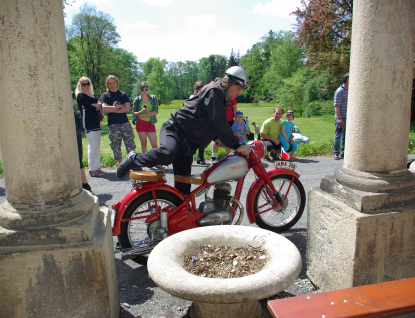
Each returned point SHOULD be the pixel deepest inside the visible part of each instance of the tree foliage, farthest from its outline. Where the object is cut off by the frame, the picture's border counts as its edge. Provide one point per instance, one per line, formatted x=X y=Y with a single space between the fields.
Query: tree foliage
x=159 y=83
x=93 y=34
x=185 y=74
x=93 y=52
x=285 y=60
x=324 y=29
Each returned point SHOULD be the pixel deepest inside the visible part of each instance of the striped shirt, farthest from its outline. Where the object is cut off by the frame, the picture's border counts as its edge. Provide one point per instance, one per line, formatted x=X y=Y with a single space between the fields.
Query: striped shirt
x=340 y=99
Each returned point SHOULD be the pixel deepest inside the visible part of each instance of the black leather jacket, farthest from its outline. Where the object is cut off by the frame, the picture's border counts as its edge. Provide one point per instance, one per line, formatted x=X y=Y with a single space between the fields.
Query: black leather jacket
x=204 y=116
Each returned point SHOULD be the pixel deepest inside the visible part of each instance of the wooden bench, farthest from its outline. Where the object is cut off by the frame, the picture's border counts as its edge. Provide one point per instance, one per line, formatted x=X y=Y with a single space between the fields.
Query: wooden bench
x=376 y=300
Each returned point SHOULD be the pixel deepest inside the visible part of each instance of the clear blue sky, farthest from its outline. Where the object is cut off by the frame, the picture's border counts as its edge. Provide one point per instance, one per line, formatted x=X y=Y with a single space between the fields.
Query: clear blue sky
x=181 y=30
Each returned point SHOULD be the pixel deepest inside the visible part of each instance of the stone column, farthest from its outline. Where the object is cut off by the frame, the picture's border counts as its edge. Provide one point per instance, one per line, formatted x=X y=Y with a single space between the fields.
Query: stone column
x=361 y=221
x=56 y=250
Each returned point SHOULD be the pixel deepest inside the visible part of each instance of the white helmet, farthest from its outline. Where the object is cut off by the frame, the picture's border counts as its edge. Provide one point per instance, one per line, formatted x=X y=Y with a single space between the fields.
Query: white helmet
x=238 y=74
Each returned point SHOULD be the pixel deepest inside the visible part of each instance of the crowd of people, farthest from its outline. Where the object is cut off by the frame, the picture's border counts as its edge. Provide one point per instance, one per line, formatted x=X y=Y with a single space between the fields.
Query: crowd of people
x=210 y=114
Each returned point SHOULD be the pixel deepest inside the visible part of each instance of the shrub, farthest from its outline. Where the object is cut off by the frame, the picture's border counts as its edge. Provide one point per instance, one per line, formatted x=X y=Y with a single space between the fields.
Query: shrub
x=208 y=153
x=107 y=160
x=318 y=108
x=315 y=149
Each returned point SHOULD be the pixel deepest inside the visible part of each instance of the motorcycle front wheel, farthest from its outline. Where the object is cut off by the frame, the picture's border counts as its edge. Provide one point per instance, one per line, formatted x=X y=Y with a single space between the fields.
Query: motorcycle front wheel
x=284 y=217
x=138 y=233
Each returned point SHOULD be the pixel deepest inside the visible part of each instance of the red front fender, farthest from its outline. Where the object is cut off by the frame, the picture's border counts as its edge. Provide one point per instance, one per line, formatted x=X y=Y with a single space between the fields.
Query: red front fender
x=135 y=193
x=253 y=190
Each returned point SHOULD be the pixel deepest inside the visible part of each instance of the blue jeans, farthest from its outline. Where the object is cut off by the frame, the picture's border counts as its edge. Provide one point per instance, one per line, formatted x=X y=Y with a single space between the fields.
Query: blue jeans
x=339 y=134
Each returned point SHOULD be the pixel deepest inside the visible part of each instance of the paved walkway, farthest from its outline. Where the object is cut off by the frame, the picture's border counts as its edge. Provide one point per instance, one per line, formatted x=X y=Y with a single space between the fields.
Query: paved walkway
x=140 y=297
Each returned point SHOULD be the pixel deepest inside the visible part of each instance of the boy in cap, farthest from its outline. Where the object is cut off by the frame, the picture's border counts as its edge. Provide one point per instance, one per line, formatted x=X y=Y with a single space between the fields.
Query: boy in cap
x=239 y=128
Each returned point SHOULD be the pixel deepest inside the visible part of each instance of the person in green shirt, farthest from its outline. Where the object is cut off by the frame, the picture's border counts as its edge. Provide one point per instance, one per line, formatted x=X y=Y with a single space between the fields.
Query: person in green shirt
x=271 y=130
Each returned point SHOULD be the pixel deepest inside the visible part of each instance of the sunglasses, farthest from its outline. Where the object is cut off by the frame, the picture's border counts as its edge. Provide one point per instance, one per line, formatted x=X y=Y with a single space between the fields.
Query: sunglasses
x=85 y=84
x=144 y=89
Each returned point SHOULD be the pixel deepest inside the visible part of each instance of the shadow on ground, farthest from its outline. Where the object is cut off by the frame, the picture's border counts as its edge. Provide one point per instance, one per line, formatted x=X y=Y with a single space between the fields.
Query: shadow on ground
x=298 y=236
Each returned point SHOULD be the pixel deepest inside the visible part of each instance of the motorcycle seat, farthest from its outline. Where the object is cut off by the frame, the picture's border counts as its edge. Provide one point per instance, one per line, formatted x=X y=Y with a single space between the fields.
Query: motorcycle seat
x=152 y=176
x=198 y=178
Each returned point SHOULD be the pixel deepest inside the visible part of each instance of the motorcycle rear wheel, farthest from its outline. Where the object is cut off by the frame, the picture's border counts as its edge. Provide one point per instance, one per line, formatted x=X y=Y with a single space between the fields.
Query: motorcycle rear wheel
x=286 y=216
x=136 y=232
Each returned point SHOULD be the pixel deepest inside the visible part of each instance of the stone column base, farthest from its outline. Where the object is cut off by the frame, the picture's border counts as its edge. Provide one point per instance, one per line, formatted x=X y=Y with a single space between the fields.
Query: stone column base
x=75 y=278
x=347 y=248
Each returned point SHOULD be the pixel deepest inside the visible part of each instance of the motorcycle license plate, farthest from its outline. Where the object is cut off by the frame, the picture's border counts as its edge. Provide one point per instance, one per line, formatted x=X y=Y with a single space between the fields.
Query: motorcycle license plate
x=285 y=165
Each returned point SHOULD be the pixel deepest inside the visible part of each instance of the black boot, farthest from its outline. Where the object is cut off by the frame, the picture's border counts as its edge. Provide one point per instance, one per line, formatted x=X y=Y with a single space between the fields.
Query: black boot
x=125 y=165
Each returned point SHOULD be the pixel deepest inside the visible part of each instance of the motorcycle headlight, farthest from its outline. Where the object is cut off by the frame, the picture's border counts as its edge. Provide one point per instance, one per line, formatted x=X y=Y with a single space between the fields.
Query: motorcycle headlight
x=258 y=147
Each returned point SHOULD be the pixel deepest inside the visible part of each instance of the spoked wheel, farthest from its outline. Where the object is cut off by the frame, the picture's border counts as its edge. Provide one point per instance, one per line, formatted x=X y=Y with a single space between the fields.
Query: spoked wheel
x=138 y=233
x=284 y=217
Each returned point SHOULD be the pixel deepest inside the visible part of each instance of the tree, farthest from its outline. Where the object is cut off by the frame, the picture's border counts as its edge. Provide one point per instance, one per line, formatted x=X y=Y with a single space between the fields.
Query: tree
x=232 y=60
x=66 y=3
x=256 y=62
x=286 y=59
x=212 y=67
x=324 y=29
x=184 y=75
x=253 y=65
x=124 y=66
x=159 y=83
x=291 y=94
x=93 y=37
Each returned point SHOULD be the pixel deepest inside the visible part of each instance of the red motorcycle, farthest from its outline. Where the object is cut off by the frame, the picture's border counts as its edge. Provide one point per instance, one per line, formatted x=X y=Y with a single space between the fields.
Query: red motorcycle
x=154 y=210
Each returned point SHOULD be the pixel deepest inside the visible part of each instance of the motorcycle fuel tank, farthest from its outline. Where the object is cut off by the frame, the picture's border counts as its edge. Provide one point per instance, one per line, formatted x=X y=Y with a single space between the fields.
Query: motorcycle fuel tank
x=229 y=169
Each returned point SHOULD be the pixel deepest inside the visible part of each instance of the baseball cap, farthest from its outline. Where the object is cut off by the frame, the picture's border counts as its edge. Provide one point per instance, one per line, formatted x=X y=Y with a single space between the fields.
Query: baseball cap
x=289 y=112
x=239 y=113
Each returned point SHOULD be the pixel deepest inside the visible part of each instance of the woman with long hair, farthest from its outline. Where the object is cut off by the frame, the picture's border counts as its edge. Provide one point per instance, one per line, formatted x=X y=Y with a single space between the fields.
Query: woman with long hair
x=89 y=106
x=116 y=104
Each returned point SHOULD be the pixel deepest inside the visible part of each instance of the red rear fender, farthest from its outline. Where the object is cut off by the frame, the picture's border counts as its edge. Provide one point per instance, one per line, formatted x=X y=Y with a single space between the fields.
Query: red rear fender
x=134 y=194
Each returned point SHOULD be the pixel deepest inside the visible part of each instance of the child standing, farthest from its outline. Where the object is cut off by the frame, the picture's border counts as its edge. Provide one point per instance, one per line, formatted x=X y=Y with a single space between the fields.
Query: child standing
x=257 y=130
x=240 y=128
x=286 y=136
x=249 y=135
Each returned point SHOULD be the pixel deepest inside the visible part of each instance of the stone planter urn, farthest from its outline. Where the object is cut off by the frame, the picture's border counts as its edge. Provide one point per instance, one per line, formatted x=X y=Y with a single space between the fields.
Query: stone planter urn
x=224 y=297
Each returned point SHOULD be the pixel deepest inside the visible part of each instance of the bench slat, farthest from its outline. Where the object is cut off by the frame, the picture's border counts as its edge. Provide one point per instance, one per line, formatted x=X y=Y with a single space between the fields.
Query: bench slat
x=373 y=300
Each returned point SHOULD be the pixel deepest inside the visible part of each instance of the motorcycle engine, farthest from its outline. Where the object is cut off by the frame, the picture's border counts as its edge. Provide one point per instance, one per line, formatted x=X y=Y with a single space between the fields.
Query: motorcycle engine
x=218 y=209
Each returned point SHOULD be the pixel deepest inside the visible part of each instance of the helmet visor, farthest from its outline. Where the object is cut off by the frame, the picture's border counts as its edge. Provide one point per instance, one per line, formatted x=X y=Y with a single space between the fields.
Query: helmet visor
x=242 y=83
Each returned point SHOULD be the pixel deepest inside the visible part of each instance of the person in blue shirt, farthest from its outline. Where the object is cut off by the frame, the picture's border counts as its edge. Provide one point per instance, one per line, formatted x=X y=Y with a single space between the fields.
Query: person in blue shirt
x=340 y=108
x=286 y=136
x=239 y=128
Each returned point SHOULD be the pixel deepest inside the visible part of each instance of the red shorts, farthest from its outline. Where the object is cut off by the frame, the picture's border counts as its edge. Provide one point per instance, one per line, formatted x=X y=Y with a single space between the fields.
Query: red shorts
x=145 y=126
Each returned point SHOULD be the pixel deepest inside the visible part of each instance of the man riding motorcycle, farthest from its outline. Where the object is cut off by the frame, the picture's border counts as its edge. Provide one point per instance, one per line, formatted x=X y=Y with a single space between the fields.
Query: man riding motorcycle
x=194 y=126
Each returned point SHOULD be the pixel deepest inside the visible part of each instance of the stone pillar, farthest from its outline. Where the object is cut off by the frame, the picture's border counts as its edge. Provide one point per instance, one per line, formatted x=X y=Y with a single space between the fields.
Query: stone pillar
x=56 y=250
x=361 y=221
